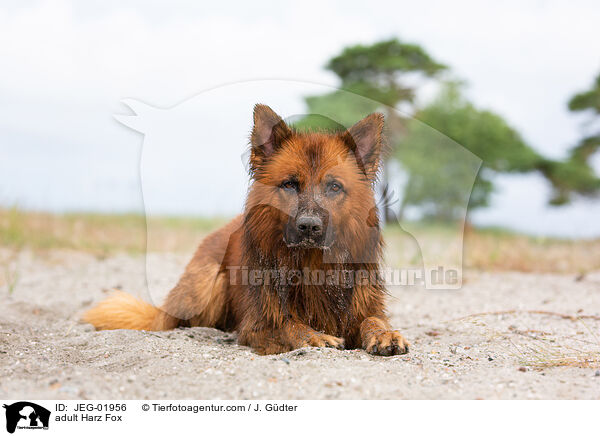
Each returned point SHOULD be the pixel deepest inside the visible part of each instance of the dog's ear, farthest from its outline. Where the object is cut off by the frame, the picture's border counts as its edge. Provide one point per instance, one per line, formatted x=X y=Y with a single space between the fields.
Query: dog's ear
x=366 y=141
x=268 y=134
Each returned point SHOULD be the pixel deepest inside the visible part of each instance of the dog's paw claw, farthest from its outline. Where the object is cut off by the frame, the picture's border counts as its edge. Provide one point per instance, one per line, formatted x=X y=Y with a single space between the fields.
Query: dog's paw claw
x=387 y=343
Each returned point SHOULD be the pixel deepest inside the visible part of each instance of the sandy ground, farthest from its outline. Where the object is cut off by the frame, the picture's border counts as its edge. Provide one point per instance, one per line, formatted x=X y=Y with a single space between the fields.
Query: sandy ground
x=46 y=353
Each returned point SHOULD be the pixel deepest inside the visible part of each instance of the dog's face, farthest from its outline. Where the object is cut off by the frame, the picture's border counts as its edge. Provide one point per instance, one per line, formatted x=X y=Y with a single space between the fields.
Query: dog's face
x=315 y=190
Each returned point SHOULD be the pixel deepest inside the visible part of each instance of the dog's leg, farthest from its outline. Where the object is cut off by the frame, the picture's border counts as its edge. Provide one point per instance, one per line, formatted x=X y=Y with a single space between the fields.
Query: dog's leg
x=290 y=336
x=378 y=338
x=264 y=341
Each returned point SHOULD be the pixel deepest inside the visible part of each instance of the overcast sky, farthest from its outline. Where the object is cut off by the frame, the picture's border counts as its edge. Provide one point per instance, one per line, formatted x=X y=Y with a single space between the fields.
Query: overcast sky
x=66 y=65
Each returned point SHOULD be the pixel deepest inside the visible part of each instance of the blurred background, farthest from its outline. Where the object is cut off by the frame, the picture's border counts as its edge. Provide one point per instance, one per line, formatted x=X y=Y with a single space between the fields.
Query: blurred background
x=517 y=84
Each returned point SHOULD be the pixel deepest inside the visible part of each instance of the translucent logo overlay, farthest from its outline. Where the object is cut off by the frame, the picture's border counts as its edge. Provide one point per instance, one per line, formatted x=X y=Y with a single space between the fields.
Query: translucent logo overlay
x=195 y=162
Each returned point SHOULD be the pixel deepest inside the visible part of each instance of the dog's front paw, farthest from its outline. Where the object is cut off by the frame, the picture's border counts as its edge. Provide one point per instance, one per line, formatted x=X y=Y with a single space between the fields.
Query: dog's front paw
x=387 y=343
x=318 y=339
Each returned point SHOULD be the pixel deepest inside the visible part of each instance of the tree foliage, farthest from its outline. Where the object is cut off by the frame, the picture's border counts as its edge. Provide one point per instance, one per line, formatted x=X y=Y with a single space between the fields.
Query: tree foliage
x=575 y=175
x=378 y=71
x=440 y=171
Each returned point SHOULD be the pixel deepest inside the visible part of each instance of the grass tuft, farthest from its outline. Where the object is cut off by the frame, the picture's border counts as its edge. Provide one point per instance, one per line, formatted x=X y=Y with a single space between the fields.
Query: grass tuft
x=542 y=359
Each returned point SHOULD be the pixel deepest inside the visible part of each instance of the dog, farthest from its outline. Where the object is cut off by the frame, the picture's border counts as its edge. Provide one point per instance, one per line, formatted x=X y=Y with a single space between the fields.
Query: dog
x=301 y=266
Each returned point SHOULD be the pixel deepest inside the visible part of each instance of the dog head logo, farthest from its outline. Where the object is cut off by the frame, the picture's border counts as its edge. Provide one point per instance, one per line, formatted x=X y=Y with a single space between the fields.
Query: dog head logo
x=26 y=415
x=190 y=152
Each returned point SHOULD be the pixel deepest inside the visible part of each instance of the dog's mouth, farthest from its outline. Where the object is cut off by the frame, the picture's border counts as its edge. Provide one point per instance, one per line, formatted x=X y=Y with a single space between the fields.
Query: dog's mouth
x=307 y=244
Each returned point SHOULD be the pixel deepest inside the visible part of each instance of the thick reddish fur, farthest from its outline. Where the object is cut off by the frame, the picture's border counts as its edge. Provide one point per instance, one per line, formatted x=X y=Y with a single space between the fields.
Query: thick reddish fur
x=275 y=319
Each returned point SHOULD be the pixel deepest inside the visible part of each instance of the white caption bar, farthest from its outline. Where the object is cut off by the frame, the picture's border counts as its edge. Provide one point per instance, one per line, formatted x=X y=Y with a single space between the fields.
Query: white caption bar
x=297 y=417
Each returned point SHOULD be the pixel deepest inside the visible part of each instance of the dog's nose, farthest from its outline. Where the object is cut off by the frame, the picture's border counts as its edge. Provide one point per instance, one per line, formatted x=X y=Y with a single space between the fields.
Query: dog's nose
x=309 y=226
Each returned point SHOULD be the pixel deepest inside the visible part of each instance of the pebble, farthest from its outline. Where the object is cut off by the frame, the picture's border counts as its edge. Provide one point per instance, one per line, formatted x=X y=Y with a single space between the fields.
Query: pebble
x=68 y=390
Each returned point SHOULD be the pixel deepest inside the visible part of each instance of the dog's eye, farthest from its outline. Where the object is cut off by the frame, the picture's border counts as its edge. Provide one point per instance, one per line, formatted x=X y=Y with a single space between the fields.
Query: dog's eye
x=289 y=185
x=335 y=187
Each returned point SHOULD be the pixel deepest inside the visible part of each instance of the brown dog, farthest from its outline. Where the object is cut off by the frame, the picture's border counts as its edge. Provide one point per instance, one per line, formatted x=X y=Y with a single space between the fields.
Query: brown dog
x=300 y=267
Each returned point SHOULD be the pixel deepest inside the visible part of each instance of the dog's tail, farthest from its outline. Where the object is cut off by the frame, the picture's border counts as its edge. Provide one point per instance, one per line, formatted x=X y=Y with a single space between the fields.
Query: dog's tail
x=122 y=311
